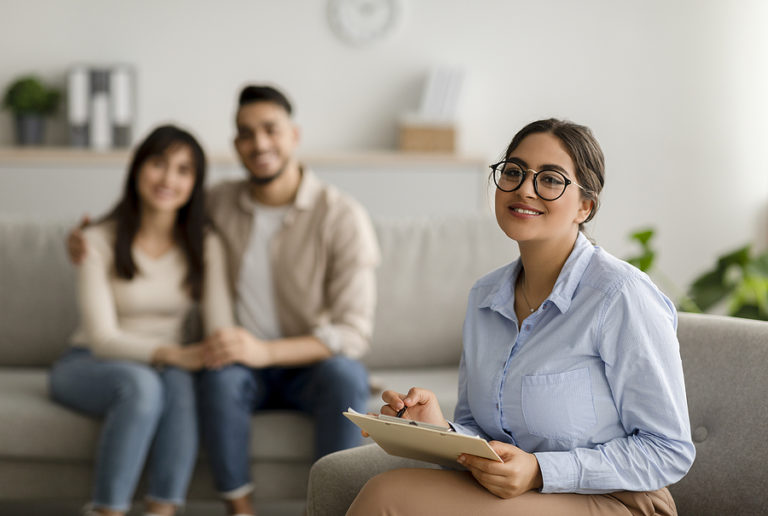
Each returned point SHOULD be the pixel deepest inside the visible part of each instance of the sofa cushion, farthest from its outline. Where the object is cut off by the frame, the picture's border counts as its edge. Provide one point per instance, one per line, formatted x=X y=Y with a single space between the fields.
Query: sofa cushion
x=37 y=305
x=427 y=269
x=34 y=427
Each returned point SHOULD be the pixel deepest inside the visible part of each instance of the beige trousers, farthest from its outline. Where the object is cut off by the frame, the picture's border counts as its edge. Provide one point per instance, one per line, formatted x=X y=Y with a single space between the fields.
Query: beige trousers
x=423 y=492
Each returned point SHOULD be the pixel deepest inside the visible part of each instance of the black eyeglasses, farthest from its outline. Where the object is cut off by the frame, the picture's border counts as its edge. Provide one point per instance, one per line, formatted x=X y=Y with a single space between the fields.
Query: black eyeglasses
x=548 y=184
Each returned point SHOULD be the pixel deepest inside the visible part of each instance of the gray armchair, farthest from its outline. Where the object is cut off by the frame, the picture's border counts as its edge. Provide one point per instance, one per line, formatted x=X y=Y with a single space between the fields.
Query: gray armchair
x=725 y=361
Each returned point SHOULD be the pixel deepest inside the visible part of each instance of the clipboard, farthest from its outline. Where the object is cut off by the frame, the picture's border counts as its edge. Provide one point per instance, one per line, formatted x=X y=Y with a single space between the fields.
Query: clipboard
x=421 y=441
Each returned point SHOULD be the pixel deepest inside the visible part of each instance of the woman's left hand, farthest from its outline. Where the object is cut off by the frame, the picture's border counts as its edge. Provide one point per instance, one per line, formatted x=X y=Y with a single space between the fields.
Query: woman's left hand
x=518 y=473
x=236 y=345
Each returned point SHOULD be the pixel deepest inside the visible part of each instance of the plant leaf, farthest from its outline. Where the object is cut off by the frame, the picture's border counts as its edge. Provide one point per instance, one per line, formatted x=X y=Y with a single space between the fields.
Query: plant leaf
x=643 y=261
x=739 y=257
x=686 y=304
x=750 y=312
x=643 y=236
x=759 y=265
x=709 y=289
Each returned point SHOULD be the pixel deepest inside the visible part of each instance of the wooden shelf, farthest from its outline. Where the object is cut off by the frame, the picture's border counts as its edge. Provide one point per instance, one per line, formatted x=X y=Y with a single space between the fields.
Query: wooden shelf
x=387 y=183
x=69 y=156
x=63 y=155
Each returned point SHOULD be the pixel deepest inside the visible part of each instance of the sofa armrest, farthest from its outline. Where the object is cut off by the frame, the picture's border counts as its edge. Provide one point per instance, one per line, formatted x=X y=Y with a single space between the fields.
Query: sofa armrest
x=335 y=479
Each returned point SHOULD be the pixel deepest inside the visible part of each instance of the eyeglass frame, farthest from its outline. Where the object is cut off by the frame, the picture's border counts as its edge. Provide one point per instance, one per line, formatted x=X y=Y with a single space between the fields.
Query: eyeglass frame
x=566 y=180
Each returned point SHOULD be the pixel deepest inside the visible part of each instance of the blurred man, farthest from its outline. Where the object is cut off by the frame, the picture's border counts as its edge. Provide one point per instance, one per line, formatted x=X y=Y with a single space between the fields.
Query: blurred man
x=302 y=260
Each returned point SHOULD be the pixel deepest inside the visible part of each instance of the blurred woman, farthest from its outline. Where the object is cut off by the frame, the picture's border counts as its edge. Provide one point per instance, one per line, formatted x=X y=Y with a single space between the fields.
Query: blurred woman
x=148 y=262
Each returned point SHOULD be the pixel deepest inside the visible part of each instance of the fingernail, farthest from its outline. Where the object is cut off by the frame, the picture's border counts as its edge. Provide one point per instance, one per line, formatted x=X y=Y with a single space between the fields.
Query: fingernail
x=461 y=459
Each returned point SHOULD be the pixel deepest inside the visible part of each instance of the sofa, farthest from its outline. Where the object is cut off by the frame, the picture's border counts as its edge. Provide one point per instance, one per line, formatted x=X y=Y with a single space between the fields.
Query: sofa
x=428 y=266
x=46 y=450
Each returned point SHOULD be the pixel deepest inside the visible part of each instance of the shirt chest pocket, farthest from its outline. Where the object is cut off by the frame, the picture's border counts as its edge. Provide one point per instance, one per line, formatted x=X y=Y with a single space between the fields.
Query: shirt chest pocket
x=559 y=405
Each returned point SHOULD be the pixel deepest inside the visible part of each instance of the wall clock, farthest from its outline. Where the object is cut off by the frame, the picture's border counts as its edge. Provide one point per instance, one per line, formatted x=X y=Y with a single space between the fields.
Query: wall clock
x=361 y=22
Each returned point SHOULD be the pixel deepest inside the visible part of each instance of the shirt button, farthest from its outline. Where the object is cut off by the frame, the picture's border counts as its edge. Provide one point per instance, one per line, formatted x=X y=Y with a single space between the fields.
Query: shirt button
x=497 y=406
x=527 y=327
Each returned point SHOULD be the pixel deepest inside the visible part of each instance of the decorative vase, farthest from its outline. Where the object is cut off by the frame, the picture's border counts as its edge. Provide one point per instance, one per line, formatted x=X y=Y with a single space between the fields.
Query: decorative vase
x=30 y=129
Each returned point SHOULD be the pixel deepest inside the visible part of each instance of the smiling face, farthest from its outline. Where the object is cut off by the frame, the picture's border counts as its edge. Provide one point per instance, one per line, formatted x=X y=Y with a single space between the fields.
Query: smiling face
x=165 y=181
x=266 y=139
x=522 y=214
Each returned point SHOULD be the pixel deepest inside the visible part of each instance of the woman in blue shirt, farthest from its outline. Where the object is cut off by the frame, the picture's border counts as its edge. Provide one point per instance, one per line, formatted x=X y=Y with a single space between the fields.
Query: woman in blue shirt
x=570 y=366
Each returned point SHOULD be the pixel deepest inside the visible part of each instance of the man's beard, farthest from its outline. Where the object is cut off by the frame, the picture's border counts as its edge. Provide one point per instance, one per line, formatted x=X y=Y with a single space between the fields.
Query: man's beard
x=255 y=180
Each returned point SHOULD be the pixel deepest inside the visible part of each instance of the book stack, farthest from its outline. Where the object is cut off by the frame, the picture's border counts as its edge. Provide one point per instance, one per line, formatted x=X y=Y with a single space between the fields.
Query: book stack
x=100 y=106
x=433 y=127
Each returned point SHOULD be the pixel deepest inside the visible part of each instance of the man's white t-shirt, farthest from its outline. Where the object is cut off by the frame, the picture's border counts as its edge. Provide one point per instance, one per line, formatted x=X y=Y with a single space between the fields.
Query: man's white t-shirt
x=256 y=311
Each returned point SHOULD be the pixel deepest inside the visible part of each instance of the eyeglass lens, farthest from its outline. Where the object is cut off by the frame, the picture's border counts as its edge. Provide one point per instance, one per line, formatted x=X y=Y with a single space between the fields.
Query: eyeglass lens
x=548 y=184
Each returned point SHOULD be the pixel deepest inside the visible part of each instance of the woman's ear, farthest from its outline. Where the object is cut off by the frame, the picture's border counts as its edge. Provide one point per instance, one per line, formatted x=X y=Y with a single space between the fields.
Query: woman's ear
x=585 y=209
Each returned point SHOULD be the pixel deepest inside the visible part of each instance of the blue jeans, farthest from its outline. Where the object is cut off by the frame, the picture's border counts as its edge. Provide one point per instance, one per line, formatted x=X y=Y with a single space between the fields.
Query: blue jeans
x=229 y=396
x=148 y=413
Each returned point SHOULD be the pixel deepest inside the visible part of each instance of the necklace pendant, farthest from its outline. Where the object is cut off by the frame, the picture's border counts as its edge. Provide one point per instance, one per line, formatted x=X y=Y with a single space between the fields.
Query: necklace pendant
x=532 y=310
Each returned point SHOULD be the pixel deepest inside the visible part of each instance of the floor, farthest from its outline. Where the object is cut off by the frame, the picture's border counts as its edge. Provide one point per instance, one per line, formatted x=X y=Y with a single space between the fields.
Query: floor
x=193 y=509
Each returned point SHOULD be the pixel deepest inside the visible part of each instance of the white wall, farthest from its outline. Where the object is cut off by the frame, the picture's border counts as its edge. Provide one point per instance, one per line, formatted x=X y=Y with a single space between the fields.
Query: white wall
x=674 y=89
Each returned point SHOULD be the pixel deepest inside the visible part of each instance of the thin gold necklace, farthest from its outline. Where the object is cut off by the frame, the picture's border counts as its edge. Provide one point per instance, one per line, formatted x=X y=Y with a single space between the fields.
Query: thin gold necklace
x=525 y=298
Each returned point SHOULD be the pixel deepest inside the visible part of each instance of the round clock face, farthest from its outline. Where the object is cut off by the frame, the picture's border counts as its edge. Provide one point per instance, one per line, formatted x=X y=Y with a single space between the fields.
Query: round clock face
x=360 y=22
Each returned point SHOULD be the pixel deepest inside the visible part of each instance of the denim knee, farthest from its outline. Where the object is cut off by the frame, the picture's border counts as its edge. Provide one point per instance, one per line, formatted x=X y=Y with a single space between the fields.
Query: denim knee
x=141 y=389
x=179 y=390
x=226 y=385
x=342 y=377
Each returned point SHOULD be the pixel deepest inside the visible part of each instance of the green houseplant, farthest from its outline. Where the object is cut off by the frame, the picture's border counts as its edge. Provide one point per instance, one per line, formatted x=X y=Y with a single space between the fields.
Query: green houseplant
x=739 y=279
x=30 y=101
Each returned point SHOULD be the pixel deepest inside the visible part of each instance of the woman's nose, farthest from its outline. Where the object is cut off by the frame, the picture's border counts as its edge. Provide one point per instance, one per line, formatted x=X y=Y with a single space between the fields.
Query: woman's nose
x=527 y=189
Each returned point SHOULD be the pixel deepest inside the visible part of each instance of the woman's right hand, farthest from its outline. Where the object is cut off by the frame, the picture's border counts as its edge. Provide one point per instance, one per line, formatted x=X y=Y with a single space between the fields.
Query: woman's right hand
x=420 y=405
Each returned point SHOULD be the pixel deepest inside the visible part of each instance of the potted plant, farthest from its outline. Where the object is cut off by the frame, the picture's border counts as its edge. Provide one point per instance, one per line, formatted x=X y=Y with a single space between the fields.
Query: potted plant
x=30 y=101
x=739 y=279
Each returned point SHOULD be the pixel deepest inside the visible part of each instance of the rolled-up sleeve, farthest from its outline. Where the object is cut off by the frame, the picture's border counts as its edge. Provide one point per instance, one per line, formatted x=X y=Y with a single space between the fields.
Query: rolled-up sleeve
x=350 y=287
x=216 y=303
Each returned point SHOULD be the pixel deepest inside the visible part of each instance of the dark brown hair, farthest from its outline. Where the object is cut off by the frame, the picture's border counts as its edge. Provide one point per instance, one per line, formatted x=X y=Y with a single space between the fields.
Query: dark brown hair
x=583 y=149
x=260 y=93
x=190 y=220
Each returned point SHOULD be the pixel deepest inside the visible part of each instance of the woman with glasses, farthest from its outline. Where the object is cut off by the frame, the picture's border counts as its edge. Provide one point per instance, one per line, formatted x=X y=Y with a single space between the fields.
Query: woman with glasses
x=570 y=365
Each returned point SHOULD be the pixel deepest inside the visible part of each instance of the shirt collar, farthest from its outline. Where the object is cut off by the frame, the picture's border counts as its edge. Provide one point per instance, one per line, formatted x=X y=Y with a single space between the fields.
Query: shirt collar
x=572 y=272
x=309 y=188
x=500 y=298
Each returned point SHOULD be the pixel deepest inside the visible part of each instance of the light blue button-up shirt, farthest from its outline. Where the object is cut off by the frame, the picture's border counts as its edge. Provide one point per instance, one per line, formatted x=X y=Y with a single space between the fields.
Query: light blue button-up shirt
x=592 y=382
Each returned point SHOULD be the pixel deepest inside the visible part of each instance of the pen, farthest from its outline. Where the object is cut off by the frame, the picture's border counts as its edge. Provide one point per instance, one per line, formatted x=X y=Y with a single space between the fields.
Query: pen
x=401 y=411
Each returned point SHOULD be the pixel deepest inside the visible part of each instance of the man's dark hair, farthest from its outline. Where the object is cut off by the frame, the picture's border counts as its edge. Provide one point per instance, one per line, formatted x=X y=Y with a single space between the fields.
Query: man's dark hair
x=253 y=93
